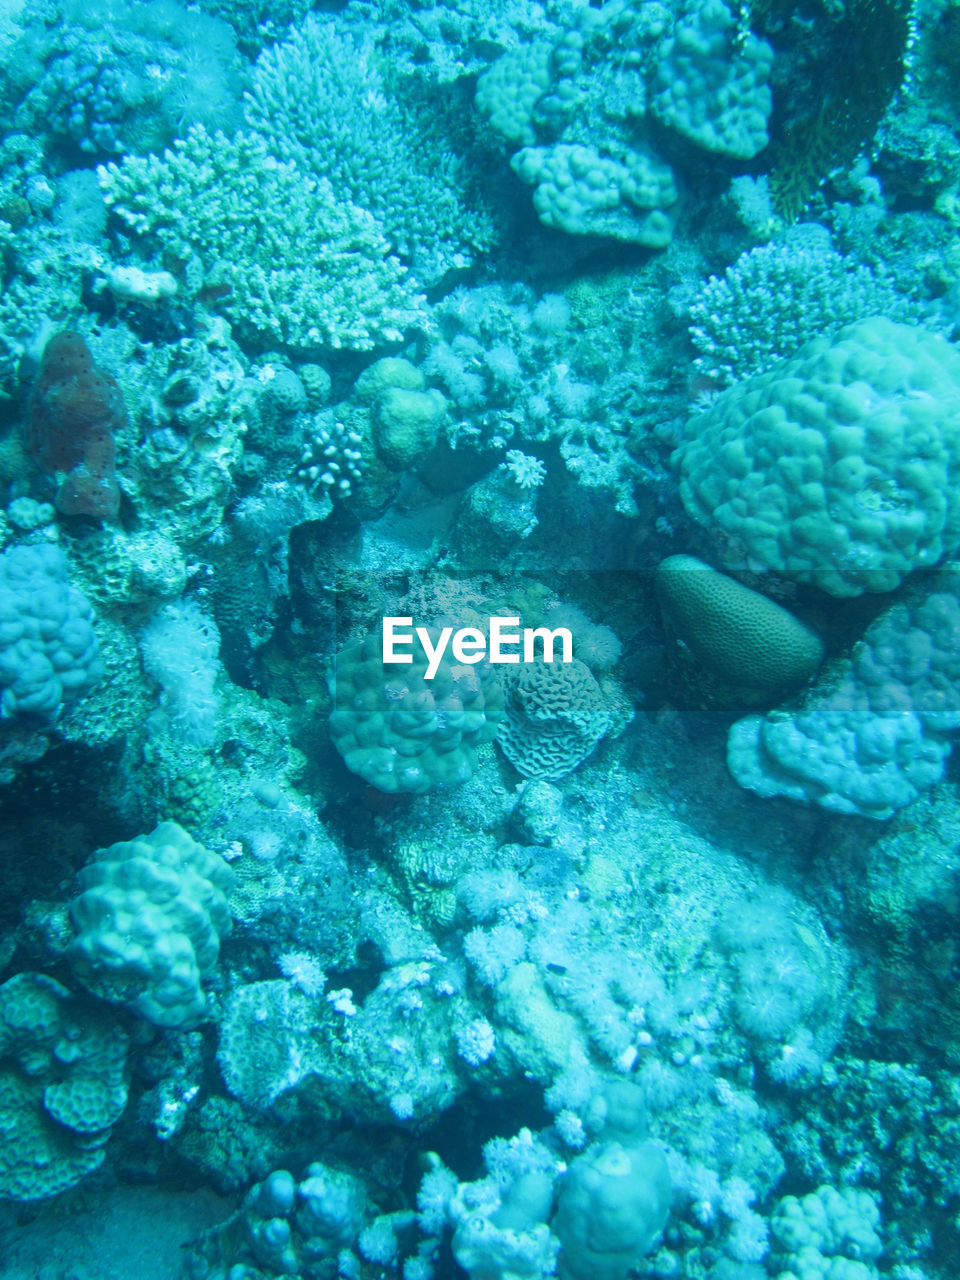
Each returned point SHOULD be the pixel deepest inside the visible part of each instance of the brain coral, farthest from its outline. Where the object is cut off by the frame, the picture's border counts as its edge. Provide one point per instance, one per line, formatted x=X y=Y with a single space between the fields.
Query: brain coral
x=402 y=732
x=149 y=920
x=554 y=717
x=756 y=648
x=840 y=466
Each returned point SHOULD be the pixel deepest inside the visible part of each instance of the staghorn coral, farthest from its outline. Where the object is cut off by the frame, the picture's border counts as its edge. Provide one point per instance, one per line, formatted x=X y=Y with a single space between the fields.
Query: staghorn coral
x=324 y=100
x=776 y=297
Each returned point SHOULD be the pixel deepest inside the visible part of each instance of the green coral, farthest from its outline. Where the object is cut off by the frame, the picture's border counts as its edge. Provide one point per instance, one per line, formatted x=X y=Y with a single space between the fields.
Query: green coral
x=304 y=267
x=508 y=91
x=583 y=192
x=577 y=103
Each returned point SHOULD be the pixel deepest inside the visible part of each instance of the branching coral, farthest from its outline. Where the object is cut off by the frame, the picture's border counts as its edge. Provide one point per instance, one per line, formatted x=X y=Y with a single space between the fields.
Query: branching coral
x=302 y=267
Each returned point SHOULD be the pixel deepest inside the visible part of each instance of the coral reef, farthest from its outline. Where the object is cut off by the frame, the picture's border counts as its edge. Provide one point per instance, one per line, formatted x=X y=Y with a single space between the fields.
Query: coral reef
x=478 y=490
x=586 y=93
x=776 y=297
x=62 y=1085
x=104 y=78
x=49 y=647
x=871 y=737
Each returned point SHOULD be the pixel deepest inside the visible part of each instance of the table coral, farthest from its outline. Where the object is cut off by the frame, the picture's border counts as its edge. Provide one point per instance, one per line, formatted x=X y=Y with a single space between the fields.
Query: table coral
x=305 y=268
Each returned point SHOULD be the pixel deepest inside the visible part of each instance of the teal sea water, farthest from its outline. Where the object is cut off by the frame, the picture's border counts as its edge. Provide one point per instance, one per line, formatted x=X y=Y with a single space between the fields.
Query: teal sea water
x=479 y=640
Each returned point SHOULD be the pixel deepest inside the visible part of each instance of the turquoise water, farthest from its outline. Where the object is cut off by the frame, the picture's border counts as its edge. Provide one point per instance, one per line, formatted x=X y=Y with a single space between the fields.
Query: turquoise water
x=479 y=640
